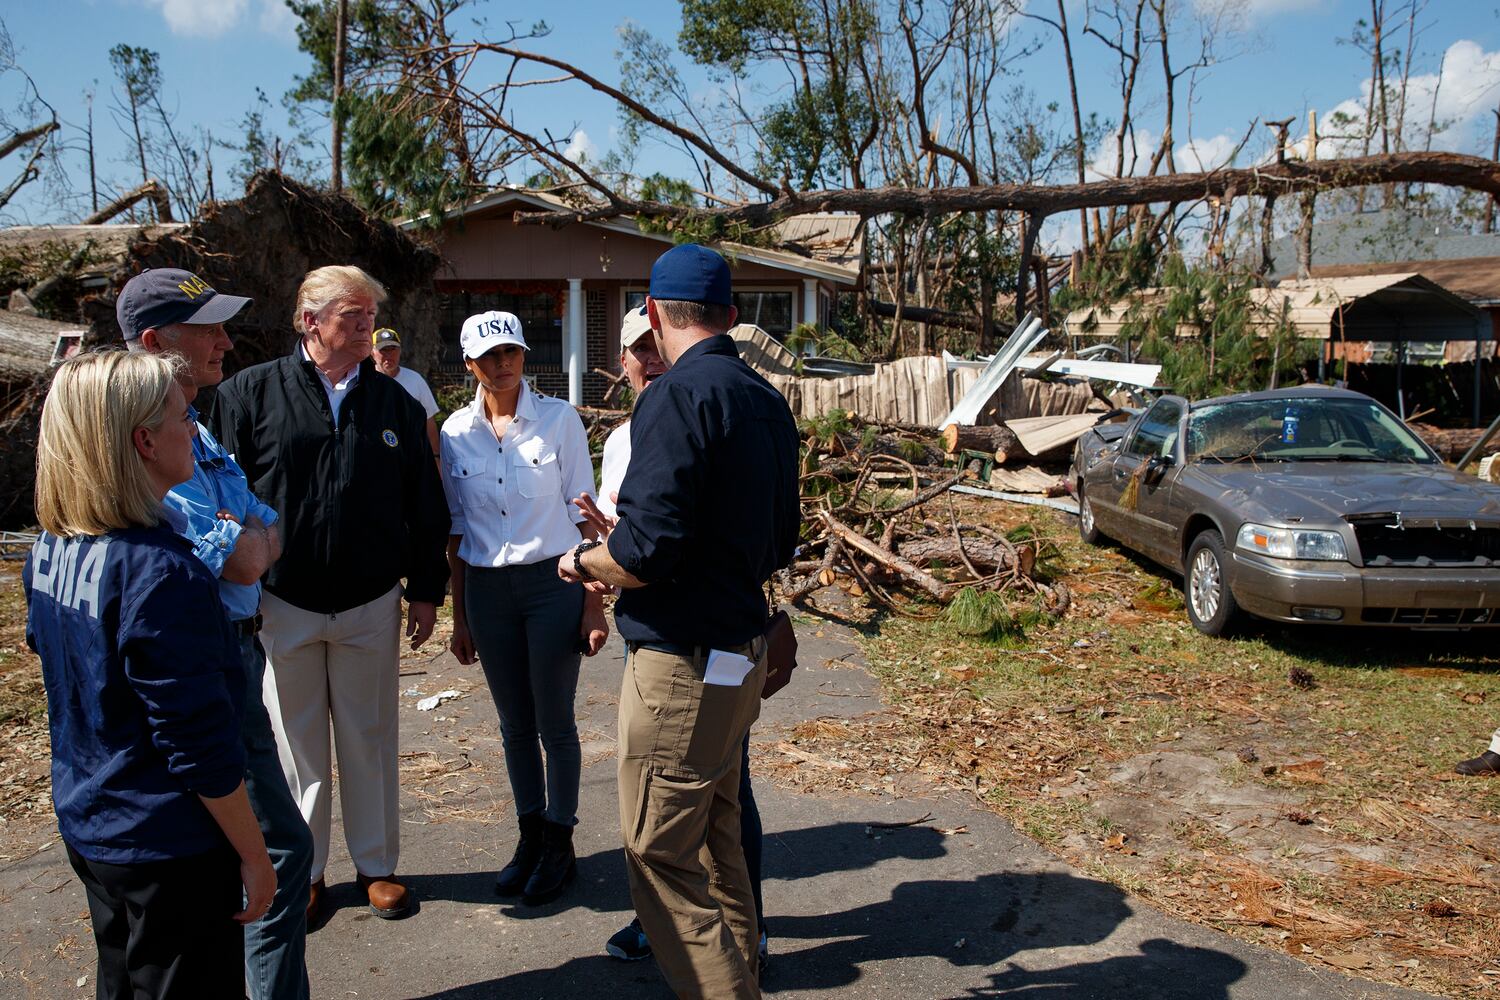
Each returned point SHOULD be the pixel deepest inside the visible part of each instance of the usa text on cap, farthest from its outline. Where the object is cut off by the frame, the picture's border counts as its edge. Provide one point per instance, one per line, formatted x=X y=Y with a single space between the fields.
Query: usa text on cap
x=489 y=330
x=162 y=296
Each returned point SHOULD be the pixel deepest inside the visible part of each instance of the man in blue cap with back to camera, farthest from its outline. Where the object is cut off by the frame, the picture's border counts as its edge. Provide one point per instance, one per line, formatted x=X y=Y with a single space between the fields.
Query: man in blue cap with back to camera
x=175 y=313
x=707 y=512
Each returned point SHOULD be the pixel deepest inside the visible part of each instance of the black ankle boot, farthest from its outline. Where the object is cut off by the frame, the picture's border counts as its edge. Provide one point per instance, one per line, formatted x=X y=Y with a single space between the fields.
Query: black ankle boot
x=557 y=867
x=529 y=848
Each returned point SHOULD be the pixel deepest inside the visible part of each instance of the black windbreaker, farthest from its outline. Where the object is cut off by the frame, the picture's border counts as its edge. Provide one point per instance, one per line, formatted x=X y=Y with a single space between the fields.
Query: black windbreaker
x=361 y=505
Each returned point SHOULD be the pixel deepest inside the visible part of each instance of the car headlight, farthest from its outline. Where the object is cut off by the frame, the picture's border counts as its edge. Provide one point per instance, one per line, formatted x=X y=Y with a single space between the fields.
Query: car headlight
x=1292 y=543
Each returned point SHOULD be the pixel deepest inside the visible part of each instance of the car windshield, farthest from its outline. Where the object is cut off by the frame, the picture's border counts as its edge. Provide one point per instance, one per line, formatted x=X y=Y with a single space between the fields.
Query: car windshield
x=1301 y=429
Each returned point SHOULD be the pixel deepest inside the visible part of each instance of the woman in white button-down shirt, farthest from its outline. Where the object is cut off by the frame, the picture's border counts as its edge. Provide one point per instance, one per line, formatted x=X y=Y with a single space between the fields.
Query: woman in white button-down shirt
x=511 y=462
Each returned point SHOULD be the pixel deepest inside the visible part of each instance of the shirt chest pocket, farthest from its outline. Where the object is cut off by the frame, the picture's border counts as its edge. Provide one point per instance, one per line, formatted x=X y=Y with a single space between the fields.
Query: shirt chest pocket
x=470 y=482
x=536 y=471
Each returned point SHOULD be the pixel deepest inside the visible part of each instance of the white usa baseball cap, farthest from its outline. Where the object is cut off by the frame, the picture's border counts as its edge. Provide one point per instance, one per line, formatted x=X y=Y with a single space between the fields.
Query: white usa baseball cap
x=489 y=330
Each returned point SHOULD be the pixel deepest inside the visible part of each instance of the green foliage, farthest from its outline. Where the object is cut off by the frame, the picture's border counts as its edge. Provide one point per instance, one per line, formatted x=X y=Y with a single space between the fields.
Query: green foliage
x=990 y=616
x=805 y=136
x=1202 y=323
x=822 y=342
x=732 y=32
x=827 y=427
x=396 y=162
x=450 y=398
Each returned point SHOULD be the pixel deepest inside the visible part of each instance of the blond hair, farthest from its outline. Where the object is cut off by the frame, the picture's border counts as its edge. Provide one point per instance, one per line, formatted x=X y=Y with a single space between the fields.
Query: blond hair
x=330 y=284
x=89 y=477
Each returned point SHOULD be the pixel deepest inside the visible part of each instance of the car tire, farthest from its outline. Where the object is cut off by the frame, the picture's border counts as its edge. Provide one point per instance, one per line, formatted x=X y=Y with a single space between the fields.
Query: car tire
x=1211 y=606
x=1088 y=528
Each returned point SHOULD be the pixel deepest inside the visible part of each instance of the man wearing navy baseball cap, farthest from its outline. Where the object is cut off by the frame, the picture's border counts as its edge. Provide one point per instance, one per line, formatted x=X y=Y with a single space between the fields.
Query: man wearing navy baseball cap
x=707 y=512
x=176 y=313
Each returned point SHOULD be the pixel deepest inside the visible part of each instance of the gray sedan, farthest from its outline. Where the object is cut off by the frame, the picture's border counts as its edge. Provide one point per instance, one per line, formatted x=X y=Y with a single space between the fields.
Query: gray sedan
x=1299 y=505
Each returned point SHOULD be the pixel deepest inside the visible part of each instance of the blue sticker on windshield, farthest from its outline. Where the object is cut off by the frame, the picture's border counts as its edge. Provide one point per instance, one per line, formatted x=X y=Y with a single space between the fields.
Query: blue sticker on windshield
x=1289 y=426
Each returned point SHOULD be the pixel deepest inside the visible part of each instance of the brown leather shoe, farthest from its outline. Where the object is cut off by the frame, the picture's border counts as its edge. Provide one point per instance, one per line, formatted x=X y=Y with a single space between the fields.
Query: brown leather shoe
x=389 y=899
x=315 y=901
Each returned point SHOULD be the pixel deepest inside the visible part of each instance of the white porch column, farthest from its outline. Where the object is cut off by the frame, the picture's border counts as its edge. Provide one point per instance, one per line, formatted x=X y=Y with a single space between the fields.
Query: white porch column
x=574 y=353
x=810 y=300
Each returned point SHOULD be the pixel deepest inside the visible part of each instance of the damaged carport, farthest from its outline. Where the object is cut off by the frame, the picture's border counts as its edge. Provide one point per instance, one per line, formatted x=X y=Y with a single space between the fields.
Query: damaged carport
x=1356 y=319
x=1355 y=316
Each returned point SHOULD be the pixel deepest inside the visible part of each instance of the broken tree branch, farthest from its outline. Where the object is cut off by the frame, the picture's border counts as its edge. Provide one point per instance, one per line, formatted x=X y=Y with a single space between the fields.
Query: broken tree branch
x=1449 y=169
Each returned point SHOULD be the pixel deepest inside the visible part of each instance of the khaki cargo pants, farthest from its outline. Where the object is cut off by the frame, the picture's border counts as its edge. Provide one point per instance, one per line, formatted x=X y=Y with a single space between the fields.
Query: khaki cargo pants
x=680 y=817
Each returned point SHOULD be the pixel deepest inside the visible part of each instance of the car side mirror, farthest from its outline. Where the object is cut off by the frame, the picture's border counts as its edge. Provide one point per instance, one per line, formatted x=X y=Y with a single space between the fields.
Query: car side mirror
x=1156 y=467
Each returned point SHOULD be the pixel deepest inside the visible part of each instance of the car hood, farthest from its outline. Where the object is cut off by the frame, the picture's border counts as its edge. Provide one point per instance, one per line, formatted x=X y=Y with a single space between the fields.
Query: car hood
x=1331 y=491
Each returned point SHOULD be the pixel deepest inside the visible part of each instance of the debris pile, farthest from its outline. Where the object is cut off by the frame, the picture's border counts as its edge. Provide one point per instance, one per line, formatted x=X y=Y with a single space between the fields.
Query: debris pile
x=880 y=518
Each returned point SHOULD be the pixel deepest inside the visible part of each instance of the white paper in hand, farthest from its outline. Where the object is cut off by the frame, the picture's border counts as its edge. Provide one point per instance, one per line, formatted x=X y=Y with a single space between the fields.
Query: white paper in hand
x=726 y=669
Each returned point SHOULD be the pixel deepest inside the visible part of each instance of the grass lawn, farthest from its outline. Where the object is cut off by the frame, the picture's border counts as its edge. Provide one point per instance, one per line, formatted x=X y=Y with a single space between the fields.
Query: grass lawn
x=1293 y=785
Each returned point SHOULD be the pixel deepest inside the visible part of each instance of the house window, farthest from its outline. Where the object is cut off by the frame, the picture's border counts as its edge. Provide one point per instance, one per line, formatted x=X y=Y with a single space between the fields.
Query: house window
x=537 y=311
x=771 y=311
x=634 y=298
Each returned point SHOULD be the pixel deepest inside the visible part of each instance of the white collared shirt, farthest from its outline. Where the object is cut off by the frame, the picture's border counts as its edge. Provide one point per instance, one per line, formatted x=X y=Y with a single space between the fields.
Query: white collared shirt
x=510 y=498
x=612 y=467
x=336 y=391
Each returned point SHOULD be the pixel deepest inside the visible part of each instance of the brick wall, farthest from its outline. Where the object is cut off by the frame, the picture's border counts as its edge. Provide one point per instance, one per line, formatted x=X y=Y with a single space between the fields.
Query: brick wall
x=596 y=337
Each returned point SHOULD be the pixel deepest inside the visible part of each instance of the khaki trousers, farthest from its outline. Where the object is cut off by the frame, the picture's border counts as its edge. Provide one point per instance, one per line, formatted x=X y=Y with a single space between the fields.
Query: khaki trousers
x=680 y=749
x=342 y=667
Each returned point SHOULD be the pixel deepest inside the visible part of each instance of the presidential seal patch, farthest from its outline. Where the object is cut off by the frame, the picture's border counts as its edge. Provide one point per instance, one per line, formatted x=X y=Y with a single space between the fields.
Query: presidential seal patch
x=389 y=437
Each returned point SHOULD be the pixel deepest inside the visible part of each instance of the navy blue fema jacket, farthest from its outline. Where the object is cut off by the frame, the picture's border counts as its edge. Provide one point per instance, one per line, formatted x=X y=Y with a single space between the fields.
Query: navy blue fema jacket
x=144 y=692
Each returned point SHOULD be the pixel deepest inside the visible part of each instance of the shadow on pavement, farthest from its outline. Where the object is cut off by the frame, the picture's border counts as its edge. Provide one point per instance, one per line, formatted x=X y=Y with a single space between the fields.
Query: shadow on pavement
x=601 y=885
x=967 y=924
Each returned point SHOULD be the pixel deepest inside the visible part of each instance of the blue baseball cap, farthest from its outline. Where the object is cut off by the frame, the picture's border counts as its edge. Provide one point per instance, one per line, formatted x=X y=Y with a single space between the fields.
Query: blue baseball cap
x=162 y=296
x=691 y=273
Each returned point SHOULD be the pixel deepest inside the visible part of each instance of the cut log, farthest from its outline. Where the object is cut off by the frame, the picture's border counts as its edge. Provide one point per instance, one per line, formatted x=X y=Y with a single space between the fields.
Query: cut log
x=1449 y=442
x=997 y=440
x=904 y=568
x=983 y=553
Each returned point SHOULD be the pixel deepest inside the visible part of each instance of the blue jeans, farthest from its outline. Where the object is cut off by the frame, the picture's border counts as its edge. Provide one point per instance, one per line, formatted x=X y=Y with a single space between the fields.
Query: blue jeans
x=750 y=834
x=524 y=623
x=275 y=956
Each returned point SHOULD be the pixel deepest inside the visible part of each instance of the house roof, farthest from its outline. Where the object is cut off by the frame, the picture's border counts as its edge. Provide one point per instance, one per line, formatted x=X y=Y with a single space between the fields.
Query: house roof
x=1311 y=305
x=840 y=272
x=836 y=237
x=1476 y=279
x=1381 y=237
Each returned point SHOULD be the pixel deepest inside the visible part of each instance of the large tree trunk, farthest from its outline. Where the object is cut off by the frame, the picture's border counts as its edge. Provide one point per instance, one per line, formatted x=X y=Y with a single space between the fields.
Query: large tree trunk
x=997 y=440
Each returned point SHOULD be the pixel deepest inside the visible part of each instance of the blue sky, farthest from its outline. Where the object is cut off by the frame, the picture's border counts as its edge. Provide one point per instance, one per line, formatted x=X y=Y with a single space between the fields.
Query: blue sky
x=214 y=53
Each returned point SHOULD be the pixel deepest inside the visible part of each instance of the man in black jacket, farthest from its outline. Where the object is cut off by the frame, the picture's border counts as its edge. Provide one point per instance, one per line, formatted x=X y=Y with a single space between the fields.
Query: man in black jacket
x=341 y=451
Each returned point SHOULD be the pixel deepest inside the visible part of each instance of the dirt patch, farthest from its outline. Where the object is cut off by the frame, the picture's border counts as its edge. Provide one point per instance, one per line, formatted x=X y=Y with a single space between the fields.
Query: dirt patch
x=1293 y=787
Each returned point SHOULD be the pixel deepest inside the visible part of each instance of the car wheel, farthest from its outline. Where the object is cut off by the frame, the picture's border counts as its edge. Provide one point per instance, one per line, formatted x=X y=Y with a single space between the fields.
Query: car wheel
x=1210 y=604
x=1088 y=528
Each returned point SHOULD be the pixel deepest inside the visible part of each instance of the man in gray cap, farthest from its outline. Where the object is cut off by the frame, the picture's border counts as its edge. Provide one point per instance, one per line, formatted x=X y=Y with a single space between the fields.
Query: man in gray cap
x=173 y=312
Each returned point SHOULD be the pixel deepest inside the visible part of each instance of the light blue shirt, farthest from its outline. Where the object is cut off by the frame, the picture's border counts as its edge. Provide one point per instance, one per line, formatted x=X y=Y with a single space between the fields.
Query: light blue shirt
x=218 y=484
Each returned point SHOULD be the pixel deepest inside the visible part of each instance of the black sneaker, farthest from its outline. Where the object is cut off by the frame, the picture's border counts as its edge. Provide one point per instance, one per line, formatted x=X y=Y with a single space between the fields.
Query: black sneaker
x=1486 y=763
x=629 y=943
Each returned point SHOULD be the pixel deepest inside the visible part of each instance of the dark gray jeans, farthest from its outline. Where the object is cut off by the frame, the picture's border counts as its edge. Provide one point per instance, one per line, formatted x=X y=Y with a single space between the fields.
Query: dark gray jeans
x=524 y=623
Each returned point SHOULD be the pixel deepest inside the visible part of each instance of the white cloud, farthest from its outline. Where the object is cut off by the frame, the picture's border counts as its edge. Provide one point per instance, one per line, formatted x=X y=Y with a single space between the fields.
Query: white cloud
x=1467 y=89
x=581 y=148
x=1256 y=9
x=1195 y=154
x=200 y=18
x=277 y=19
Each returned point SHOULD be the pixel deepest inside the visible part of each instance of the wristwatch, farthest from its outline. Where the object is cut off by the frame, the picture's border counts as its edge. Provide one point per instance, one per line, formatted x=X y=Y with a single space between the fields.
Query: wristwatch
x=578 y=551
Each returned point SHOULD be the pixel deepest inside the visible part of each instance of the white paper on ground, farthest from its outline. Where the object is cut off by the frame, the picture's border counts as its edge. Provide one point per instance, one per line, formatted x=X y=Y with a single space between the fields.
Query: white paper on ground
x=727 y=669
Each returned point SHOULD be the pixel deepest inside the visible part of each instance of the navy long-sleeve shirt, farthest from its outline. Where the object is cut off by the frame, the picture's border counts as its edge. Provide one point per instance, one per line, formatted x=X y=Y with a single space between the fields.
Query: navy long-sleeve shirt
x=709 y=507
x=144 y=691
